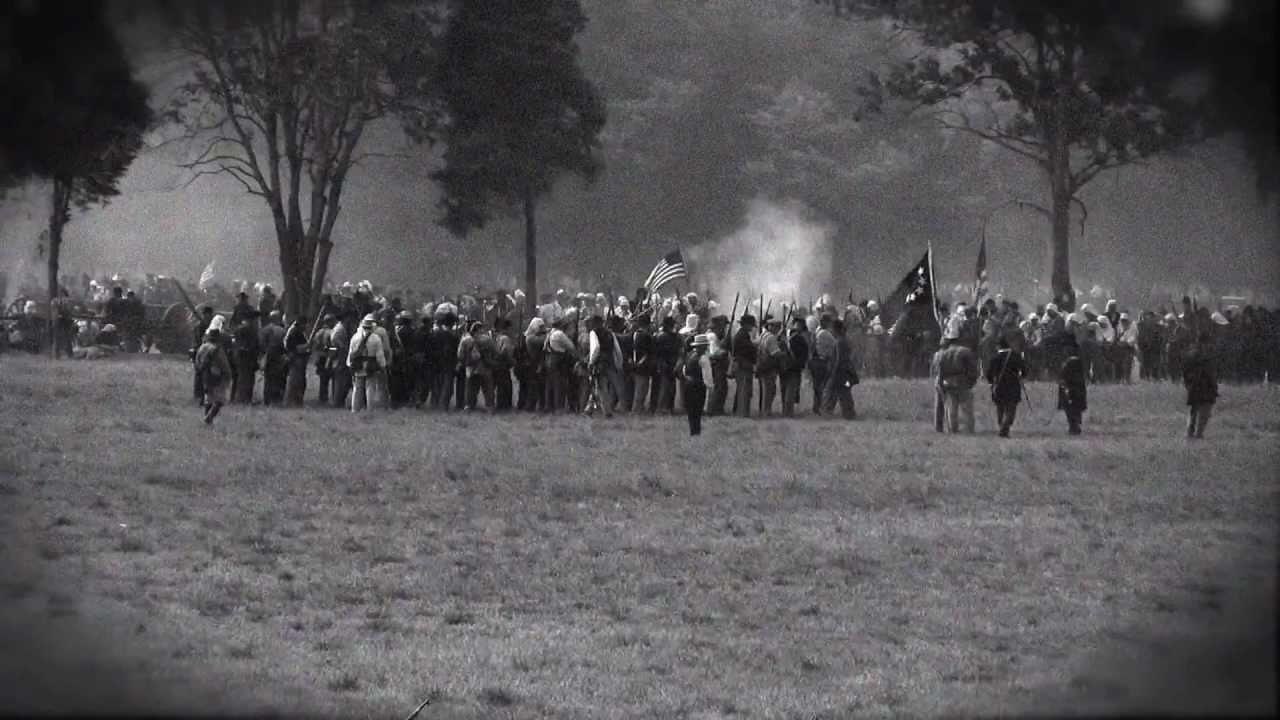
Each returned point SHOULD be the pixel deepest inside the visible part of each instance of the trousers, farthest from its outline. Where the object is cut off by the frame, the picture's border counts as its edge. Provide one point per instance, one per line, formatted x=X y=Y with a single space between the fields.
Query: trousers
x=954 y=406
x=695 y=395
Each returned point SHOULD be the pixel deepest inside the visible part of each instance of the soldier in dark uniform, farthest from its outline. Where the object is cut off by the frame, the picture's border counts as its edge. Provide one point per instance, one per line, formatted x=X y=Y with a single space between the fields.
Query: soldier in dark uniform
x=275 y=364
x=744 y=365
x=626 y=341
x=1005 y=372
x=297 y=355
x=695 y=385
x=667 y=347
x=1072 y=386
x=444 y=361
x=797 y=346
x=245 y=345
x=719 y=357
x=644 y=363
x=1200 y=378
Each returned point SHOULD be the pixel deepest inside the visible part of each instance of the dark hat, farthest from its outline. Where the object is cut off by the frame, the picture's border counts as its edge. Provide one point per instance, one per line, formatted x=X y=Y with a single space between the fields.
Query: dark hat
x=645 y=317
x=748 y=320
x=668 y=322
x=720 y=320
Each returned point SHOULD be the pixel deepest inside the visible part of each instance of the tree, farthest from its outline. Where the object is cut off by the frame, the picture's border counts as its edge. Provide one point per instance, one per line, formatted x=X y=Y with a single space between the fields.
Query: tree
x=1065 y=84
x=75 y=113
x=283 y=91
x=519 y=111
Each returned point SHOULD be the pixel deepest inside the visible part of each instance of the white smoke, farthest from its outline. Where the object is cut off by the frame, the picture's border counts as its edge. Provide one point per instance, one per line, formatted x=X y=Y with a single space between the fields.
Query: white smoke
x=781 y=250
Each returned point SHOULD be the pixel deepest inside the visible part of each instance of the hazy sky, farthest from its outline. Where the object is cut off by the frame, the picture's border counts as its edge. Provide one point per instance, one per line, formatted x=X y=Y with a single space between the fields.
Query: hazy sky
x=729 y=123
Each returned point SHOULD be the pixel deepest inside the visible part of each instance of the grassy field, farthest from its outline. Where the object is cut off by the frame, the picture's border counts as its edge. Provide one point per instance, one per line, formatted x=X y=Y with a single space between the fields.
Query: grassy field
x=306 y=561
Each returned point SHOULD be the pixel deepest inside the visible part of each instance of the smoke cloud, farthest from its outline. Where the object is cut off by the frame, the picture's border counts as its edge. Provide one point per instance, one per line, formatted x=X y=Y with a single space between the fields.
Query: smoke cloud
x=781 y=250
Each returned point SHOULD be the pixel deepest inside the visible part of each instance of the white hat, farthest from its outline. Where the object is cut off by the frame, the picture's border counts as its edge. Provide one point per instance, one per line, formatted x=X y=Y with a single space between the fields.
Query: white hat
x=1086 y=308
x=1076 y=318
x=1124 y=316
x=1051 y=308
x=622 y=300
x=1170 y=317
x=1219 y=319
x=367 y=321
x=701 y=339
x=873 y=305
x=108 y=328
x=519 y=294
x=218 y=322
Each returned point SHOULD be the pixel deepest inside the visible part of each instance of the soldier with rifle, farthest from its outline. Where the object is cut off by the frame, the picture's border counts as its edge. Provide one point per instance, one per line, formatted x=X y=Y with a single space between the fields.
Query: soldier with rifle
x=719 y=356
x=744 y=365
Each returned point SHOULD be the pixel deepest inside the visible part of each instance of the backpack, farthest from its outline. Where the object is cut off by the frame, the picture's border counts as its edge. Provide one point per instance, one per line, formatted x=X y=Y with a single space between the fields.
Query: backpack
x=210 y=373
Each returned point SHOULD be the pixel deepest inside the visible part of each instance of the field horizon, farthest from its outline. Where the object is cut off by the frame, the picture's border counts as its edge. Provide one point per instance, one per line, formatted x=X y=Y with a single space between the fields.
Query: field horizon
x=315 y=562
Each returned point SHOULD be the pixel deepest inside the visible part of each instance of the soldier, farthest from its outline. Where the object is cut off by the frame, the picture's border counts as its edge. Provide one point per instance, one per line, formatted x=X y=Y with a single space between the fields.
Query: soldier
x=202 y=326
x=559 y=356
x=745 y=355
x=339 y=344
x=1005 y=373
x=274 y=360
x=697 y=370
x=718 y=356
x=770 y=359
x=843 y=376
x=368 y=363
x=955 y=372
x=421 y=361
x=503 y=361
x=626 y=341
x=797 y=355
x=215 y=372
x=444 y=359
x=1200 y=378
x=475 y=355
x=319 y=347
x=667 y=348
x=1072 y=385
x=64 y=324
x=242 y=309
x=246 y=347
x=533 y=395
x=267 y=301
x=297 y=356
x=644 y=363
x=822 y=353
x=604 y=363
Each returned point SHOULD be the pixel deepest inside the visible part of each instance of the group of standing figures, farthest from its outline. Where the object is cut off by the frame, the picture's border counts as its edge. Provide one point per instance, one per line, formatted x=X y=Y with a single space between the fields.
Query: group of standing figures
x=389 y=359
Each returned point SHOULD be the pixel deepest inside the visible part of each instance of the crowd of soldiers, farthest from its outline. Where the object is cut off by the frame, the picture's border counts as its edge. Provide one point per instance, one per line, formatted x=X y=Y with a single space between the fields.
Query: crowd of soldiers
x=594 y=353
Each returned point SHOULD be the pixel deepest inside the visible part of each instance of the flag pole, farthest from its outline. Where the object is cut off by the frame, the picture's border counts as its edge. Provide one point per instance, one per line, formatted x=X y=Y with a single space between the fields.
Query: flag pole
x=933 y=288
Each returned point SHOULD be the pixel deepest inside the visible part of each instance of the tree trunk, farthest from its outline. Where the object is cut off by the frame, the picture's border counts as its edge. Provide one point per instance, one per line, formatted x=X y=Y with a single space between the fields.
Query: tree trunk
x=57 y=220
x=1060 y=253
x=530 y=253
x=1060 y=245
x=318 y=277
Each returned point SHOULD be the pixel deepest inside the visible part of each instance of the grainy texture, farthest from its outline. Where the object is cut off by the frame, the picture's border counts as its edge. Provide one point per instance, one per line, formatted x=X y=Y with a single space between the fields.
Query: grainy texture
x=309 y=561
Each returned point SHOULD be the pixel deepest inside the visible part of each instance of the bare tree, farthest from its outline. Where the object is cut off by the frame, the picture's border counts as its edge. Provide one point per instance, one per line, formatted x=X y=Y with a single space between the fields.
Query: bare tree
x=282 y=93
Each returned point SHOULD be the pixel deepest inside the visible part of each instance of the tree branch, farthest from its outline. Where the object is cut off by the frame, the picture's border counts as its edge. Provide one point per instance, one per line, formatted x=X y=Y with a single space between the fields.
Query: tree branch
x=1004 y=141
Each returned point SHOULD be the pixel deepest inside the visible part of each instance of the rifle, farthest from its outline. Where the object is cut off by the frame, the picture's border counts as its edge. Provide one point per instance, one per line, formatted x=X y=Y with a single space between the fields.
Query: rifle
x=732 y=315
x=185 y=299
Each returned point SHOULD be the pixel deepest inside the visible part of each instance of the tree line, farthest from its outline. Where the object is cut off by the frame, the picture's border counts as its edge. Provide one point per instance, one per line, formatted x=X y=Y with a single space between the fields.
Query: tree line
x=280 y=94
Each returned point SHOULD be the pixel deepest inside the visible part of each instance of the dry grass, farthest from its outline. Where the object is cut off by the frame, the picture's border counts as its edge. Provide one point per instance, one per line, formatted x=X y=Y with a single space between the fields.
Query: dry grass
x=563 y=567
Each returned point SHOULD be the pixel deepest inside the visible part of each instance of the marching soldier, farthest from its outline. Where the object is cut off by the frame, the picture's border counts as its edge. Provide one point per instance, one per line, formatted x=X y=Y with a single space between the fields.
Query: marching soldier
x=1005 y=372
x=1073 y=390
x=246 y=349
x=1200 y=378
x=667 y=347
x=215 y=373
x=644 y=363
x=955 y=372
x=718 y=355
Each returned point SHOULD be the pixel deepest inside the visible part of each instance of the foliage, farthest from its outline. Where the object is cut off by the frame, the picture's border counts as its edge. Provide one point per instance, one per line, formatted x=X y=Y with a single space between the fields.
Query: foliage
x=73 y=112
x=1067 y=84
x=520 y=112
x=281 y=95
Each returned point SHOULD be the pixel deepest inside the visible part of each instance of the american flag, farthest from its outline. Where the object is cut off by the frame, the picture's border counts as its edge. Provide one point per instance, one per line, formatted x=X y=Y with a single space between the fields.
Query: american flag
x=980 y=275
x=206 y=276
x=668 y=268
